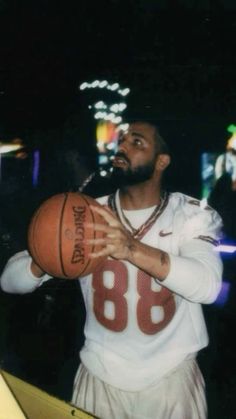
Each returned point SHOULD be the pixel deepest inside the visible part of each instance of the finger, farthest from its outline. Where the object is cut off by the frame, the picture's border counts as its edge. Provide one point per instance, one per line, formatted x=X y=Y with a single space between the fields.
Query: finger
x=98 y=227
x=96 y=241
x=109 y=230
x=107 y=208
x=104 y=241
x=103 y=252
x=106 y=214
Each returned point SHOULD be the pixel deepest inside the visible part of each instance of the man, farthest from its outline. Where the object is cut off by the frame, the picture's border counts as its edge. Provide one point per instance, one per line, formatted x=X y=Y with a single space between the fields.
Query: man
x=226 y=162
x=223 y=195
x=144 y=323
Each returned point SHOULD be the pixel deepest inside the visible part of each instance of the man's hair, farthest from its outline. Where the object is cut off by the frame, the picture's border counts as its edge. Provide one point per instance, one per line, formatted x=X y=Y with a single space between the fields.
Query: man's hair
x=161 y=145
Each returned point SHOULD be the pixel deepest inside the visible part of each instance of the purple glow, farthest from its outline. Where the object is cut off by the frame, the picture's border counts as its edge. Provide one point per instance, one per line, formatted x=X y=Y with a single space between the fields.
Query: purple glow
x=36 y=160
x=223 y=295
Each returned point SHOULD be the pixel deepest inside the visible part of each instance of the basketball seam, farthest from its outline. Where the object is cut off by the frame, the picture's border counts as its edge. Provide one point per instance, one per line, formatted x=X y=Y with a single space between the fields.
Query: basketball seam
x=60 y=234
x=32 y=244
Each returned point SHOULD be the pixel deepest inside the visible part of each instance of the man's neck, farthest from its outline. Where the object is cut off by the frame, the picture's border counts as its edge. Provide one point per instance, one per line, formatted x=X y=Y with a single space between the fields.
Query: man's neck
x=140 y=196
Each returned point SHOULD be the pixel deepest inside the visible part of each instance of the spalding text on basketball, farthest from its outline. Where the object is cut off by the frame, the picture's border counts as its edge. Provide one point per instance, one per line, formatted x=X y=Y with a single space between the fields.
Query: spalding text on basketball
x=79 y=219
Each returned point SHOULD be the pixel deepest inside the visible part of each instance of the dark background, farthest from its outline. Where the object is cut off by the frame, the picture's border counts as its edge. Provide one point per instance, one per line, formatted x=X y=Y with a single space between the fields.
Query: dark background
x=178 y=58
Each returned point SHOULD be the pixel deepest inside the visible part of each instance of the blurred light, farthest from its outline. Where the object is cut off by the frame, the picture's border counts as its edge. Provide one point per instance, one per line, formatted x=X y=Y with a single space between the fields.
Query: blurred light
x=21 y=155
x=100 y=105
x=231 y=144
x=36 y=161
x=118 y=107
x=123 y=127
x=83 y=86
x=114 y=108
x=100 y=115
x=231 y=128
x=95 y=83
x=102 y=159
x=105 y=134
x=100 y=144
x=122 y=107
x=117 y=120
x=225 y=248
x=114 y=86
x=224 y=294
x=111 y=146
x=8 y=147
x=103 y=83
x=109 y=116
x=124 y=92
x=103 y=173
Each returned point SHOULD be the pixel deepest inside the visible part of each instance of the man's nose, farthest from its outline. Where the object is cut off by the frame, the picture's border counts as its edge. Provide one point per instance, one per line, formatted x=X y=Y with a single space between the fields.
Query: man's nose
x=123 y=147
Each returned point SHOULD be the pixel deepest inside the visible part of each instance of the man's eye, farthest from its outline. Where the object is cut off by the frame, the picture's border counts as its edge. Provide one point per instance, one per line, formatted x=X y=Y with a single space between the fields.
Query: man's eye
x=137 y=141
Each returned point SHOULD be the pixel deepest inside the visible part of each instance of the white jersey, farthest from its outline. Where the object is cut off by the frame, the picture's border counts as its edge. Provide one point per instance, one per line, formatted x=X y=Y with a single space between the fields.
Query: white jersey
x=137 y=328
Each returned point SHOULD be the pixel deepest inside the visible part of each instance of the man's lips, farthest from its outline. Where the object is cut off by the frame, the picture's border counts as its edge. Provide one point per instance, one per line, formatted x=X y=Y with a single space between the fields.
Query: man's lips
x=120 y=161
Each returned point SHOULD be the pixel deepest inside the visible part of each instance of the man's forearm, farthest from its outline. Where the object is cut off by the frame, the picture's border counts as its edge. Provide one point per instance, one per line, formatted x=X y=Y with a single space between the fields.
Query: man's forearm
x=155 y=262
x=17 y=276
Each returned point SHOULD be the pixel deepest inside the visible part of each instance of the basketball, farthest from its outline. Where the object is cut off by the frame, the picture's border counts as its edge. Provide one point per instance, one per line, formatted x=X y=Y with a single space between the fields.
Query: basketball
x=57 y=234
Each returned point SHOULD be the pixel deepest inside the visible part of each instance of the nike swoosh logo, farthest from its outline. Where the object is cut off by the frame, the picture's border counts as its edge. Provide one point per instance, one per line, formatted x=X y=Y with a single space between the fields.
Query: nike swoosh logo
x=164 y=233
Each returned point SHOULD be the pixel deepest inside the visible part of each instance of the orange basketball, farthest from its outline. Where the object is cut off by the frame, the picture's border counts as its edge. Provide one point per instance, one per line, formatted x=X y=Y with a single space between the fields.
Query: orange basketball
x=57 y=233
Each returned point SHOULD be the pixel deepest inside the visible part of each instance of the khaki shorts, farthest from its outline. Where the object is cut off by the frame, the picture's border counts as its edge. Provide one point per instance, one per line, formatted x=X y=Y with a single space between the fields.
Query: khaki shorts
x=179 y=395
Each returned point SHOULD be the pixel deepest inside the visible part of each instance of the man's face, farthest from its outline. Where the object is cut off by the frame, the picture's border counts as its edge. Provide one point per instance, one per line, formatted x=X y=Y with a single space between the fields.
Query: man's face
x=135 y=159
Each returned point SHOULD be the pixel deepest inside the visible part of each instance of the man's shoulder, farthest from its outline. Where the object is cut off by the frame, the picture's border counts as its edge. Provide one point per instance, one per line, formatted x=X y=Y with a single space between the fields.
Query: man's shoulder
x=187 y=207
x=180 y=199
x=194 y=213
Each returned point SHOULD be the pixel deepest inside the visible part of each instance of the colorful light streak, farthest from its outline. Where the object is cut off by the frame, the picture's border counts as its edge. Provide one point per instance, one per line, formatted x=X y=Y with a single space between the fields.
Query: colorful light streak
x=36 y=163
x=225 y=248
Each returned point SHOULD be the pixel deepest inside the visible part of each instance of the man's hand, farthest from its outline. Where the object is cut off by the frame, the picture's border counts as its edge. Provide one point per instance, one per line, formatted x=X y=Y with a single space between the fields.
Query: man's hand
x=36 y=270
x=117 y=243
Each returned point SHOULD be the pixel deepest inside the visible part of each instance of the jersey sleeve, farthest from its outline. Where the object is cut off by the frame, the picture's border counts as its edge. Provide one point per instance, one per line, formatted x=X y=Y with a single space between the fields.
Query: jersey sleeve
x=17 y=277
x=196 y=272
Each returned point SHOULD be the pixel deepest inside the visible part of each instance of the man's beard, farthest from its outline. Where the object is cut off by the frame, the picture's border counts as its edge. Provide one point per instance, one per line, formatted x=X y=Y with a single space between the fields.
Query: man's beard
x=128 y=177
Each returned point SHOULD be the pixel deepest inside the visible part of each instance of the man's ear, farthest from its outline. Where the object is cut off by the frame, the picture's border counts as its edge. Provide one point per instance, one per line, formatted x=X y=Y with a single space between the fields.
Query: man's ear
x=163 y=161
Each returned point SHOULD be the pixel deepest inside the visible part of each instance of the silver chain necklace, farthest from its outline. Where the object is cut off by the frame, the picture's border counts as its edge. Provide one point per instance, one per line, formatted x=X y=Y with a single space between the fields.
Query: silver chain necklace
x=114 y=203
